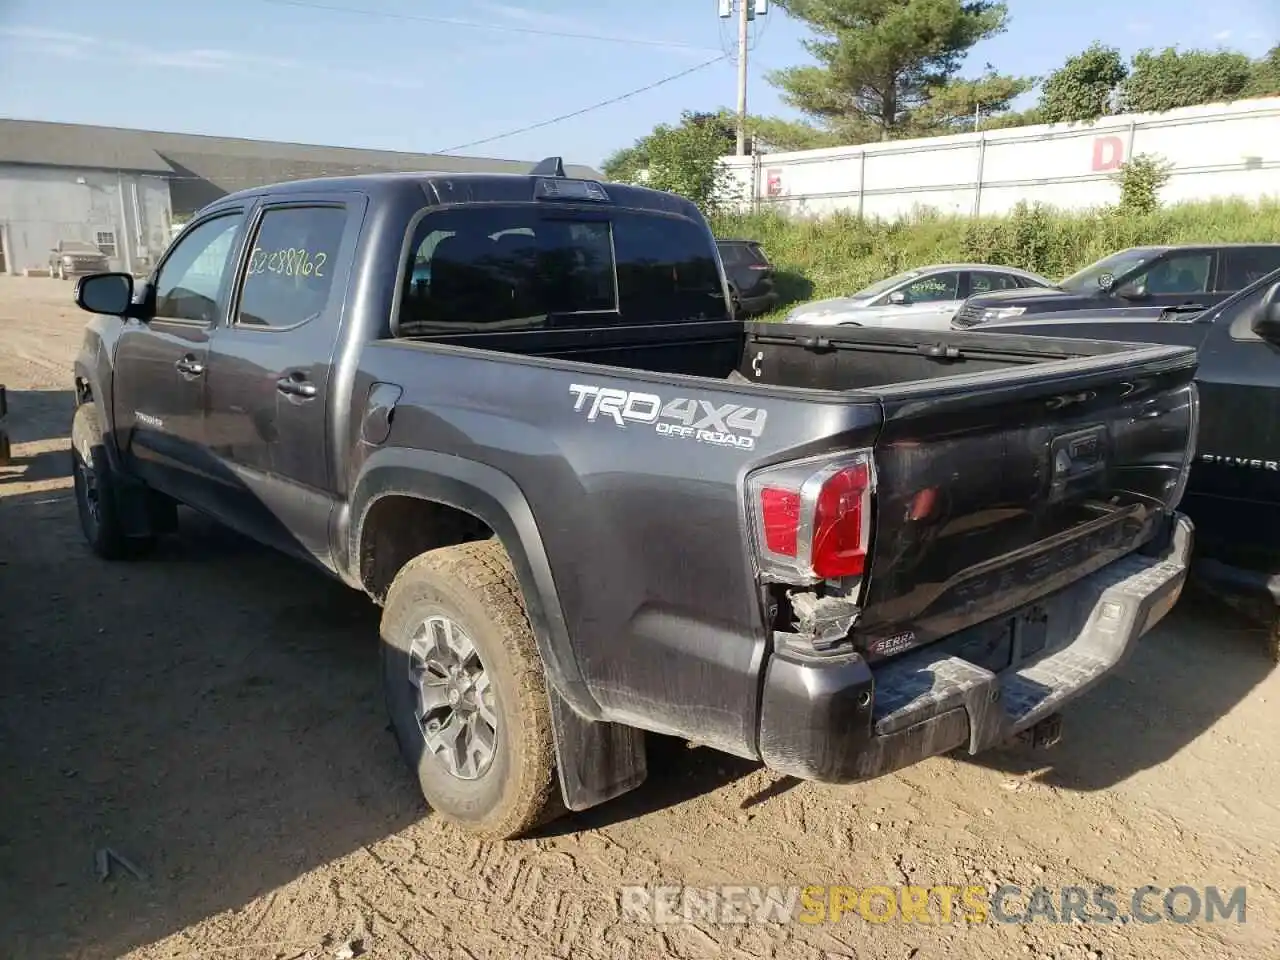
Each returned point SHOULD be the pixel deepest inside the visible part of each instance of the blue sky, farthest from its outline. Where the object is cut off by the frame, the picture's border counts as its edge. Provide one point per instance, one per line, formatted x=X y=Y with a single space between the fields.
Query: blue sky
x=267 y=69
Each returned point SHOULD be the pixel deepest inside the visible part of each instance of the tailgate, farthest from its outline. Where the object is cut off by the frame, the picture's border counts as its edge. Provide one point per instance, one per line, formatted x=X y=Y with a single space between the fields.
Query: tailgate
x=994 y=489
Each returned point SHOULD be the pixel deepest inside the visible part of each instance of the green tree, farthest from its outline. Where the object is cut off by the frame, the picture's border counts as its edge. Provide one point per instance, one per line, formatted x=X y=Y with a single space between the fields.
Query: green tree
x=1141 y=179
x=879 y=61
x=1083 y=87
x=1266 y=75
x=966 y=104
x=1173 y=78
x=683 y=159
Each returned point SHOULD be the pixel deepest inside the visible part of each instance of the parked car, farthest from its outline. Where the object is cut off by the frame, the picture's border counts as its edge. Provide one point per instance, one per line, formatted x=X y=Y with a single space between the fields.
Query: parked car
x=1233 y=494
x=1142 y=282
x=592 y=503
x=76 y=258
x=751 y=277
x=925 y=298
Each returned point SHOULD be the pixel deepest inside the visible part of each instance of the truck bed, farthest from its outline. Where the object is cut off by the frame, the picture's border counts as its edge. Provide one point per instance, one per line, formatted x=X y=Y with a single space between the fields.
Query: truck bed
x=970 y=520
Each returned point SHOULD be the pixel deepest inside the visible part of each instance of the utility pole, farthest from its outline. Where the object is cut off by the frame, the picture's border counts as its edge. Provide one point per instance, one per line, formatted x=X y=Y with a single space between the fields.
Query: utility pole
x=744 y=35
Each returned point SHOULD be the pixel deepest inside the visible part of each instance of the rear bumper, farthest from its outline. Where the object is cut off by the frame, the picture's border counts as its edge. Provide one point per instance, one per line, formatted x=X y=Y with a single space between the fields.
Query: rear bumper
x=840 y=720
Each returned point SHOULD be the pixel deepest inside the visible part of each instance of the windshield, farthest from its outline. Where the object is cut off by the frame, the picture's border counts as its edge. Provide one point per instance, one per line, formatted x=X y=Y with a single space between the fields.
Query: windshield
x=880 y=286
x=75 y=246
x=1108 y=269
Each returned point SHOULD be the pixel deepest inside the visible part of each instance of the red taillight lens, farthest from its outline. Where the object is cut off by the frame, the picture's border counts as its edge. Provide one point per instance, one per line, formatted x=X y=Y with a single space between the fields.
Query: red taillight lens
x=840 y=530
x=812 y=519
x=780 y=511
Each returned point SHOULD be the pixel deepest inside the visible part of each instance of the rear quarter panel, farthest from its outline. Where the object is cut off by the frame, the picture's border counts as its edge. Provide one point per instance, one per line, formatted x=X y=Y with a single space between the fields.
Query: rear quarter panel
x=642 y=518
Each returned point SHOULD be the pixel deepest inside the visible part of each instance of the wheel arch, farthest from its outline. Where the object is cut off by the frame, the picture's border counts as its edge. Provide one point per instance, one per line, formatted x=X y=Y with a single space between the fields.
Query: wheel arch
x=400 y=500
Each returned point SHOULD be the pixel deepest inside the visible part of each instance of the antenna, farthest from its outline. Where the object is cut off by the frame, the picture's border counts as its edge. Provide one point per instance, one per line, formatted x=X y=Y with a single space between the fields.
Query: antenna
x=550 y=167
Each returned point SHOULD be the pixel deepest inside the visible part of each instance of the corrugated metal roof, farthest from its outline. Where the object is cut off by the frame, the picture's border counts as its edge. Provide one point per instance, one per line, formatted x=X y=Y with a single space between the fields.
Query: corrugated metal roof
x=68 y=145
x=227 y=163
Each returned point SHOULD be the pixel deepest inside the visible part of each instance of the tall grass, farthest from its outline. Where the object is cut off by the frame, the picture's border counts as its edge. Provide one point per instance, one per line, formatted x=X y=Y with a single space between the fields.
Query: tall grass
x=839 y=254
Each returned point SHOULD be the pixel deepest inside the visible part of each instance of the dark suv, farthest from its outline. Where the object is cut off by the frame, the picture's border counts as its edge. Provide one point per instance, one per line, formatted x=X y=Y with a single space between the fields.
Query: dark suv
x=1134 y=284
x=750 y=274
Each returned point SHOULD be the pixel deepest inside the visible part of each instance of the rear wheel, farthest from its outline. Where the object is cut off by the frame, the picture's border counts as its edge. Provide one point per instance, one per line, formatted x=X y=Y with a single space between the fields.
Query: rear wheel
x=95 y=489
x=466 y=693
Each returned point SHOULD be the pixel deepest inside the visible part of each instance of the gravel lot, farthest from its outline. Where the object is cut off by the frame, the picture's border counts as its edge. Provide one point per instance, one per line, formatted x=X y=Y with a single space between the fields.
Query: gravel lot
x=211 y=714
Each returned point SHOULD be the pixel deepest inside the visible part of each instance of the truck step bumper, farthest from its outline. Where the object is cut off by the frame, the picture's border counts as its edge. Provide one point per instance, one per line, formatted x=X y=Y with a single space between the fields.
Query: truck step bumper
x=844 y=721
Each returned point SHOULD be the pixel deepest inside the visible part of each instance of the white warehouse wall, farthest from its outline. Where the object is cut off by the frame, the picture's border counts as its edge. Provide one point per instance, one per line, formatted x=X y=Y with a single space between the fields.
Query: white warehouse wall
x=41 y=205
x=1217 y=151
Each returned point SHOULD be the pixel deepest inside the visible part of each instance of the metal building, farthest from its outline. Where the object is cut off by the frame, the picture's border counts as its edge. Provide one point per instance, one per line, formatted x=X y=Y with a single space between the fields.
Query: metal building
x=123 y=190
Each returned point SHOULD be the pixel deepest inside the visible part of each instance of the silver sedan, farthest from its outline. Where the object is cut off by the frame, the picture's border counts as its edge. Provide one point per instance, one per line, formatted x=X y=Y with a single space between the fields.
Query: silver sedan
x=925 y=298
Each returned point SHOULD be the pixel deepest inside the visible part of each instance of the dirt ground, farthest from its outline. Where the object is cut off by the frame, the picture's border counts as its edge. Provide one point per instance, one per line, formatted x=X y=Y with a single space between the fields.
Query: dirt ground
x=211 y=714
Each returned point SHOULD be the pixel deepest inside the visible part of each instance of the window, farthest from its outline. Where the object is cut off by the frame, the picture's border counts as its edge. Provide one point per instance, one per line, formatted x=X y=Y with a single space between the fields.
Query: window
x=733 y=254
x=106 y=242
x=1242 y=266
x=989 y=282
x=1180 y=273
x=526 y=267
x=935 y=288
x=188 y=284
x=290 y=274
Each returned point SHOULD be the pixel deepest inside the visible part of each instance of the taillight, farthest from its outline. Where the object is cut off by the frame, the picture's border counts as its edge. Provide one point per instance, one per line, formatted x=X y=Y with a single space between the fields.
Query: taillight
x=811 y=520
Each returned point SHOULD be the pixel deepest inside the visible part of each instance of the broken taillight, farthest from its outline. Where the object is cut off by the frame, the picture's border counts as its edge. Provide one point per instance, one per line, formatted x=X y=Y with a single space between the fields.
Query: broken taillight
x=812 y=519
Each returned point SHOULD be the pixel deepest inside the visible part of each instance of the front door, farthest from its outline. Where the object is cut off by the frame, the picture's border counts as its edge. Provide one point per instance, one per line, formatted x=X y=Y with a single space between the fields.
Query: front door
x=930 y=302
x=269 y=374
x=1183 y=278
x=159 y=390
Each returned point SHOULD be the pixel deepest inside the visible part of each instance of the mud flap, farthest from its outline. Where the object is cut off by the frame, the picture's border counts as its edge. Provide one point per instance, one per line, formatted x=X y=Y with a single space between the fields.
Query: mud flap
x=597 y=760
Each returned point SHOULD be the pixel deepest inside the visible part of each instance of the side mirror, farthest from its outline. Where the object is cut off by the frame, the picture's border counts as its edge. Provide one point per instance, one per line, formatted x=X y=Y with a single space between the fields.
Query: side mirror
x=1266 y=322
x=106 y=293
x=899 y=298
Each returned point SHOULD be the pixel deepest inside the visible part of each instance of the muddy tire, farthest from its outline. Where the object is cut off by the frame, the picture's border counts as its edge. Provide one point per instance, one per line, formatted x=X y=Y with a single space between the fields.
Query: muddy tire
x=1273 y=641
x=466 y=693
x=95 y=491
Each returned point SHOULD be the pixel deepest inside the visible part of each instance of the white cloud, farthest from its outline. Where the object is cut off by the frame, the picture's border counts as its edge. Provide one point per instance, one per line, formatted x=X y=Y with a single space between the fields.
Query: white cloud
x=1222 y=36
x=1138 y=27
x=73 y=46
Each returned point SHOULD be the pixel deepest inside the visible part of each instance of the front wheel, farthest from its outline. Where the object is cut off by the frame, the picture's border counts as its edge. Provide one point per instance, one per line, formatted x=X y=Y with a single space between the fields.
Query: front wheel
x=466 y=693
x=95 y=489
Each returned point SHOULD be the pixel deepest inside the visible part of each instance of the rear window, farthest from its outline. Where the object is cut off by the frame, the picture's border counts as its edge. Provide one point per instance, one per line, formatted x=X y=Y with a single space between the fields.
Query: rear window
x=482 y=269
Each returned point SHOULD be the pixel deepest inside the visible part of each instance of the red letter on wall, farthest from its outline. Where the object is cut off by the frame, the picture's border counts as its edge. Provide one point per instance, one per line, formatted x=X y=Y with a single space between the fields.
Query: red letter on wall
x=1108 y=153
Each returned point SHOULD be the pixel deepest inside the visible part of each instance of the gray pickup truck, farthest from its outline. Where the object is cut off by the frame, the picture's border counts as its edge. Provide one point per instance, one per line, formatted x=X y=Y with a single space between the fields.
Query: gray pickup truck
x=517 y=412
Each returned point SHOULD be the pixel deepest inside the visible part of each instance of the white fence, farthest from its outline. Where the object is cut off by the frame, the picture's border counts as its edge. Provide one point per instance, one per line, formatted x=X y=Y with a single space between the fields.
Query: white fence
x=1219 y=150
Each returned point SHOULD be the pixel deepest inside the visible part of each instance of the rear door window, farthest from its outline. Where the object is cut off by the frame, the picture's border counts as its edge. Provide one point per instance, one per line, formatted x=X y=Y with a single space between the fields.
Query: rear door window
x=527 y=267
x=1242 y=266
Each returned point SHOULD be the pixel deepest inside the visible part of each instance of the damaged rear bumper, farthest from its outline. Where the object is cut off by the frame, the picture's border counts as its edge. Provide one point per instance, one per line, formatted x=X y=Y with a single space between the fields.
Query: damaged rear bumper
x=839 y=719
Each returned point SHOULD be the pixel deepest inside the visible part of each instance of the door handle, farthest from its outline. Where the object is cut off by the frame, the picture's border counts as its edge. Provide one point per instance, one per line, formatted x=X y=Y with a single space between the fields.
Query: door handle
x=296 y=386
x=189 y=366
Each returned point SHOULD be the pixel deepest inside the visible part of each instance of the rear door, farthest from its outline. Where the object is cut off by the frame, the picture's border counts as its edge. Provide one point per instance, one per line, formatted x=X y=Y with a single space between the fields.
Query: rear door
x=270 y=369
x=159 y=386
x=1242 y=266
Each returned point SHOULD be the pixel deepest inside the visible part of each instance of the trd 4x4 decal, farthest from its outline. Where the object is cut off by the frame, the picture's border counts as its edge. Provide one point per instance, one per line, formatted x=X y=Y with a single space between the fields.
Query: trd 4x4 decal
x=724 y=425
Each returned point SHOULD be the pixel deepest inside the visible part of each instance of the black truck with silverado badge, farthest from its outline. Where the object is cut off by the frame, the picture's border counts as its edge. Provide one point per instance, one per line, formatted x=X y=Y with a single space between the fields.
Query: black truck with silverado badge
x=518 y=413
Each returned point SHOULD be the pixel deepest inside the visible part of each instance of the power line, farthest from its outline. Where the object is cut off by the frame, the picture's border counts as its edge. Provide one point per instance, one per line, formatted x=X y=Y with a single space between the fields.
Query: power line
x=594 y=106
x=476 y=25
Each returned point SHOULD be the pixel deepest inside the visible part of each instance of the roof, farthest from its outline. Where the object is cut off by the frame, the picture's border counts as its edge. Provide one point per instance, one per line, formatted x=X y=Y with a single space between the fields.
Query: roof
x=227 y=163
